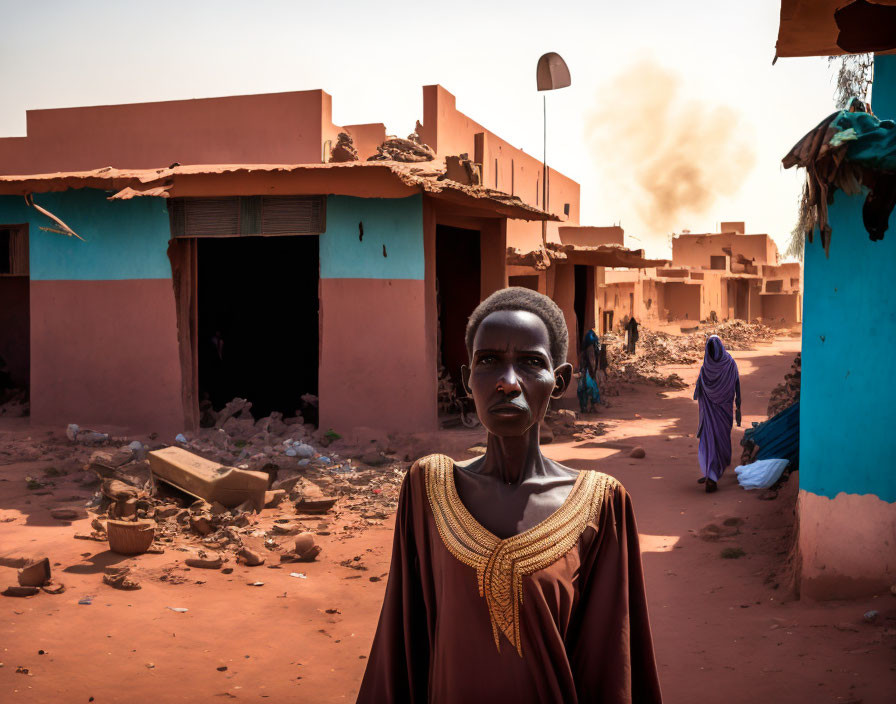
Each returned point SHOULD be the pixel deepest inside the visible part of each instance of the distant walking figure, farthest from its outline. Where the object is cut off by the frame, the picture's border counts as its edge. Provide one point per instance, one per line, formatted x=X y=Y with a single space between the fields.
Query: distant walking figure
x=631 y=328
x=718 y=386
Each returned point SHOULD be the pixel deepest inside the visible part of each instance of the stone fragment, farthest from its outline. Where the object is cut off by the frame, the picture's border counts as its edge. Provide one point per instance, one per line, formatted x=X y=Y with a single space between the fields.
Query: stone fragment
x=166 y=511
x=274 y=498
x=206 y=561
x=306 y=549
x=36 y=574
x=20 y=591
x=638 y=453
x=119 y=578
x=201 y=524
x=314 y=506
x=68 y=514
x=250 y=557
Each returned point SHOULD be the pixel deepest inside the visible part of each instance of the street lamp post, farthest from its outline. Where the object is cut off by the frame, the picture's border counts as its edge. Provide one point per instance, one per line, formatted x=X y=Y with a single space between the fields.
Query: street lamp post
x=550 y=74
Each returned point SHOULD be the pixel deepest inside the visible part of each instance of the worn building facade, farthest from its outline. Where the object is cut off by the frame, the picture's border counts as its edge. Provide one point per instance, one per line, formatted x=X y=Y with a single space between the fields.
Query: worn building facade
x=225 y=244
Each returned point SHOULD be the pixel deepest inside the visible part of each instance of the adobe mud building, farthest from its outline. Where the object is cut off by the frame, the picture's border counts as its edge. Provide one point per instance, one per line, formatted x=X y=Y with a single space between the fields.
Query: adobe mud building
x=730 y=274
x=248 y=246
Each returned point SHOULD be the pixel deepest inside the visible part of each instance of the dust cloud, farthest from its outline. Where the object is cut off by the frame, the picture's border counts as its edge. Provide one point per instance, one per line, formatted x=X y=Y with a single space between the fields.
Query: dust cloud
x=664 y=156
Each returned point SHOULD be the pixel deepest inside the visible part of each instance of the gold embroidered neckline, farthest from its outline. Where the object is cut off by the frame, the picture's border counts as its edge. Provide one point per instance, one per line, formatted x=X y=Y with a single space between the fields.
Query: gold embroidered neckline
x=501 y=564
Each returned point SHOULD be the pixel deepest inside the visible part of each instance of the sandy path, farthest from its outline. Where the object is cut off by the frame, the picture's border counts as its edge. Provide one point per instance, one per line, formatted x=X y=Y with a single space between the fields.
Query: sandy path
x=721 y=631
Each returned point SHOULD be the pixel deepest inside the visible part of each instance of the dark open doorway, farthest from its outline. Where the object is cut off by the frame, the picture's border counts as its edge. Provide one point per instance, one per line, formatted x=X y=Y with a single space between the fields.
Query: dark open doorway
x=258 y=321
x=583 y=302
x=15 y=314
x=458 y=281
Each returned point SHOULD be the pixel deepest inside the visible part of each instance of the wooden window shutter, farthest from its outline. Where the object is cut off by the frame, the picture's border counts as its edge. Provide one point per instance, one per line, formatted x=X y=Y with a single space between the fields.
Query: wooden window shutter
x=247 y=216
x=14 y=251
x=291 y=215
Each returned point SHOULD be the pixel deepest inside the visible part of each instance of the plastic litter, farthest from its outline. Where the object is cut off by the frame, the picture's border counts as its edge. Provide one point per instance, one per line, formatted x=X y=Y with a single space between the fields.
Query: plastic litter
x=180 y=437
x=761 y=474
x=298 y=574
x=178 y=609
x=86 y=600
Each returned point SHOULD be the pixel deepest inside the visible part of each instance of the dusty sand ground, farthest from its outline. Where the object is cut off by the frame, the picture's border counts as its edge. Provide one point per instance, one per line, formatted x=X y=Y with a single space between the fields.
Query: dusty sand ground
x=723 y=631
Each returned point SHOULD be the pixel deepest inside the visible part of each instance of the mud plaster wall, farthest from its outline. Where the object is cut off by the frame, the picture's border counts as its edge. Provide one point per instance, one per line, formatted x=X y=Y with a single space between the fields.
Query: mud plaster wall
x=375 y=366
x=276 y=128
x=683 y=301
x=102 y=315
x=847 y=544
x=846 y=440
x=778 y=306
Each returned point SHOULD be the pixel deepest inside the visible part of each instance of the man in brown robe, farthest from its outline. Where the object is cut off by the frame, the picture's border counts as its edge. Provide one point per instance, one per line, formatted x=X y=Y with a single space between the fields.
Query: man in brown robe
x=555 y=613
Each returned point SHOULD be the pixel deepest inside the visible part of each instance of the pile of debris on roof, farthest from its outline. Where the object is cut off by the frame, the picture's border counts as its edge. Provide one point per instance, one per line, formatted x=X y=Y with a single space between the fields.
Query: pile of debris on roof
x=408 y=150
x=786 y=393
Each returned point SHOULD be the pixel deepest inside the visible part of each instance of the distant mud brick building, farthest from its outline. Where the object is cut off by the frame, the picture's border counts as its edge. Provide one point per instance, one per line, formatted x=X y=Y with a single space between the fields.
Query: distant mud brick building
x=847 y=499
x=731 y=275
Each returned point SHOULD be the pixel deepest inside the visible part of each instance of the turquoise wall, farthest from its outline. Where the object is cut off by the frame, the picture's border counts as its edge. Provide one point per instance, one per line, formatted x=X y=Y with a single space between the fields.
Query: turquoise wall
x=129 y=239
x=847 y=439
x=124 y=239
x=395 y=223
x=883 y=93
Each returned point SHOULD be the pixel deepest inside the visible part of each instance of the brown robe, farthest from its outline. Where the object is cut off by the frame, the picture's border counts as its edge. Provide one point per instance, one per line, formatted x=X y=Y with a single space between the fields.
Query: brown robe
x=556 y=614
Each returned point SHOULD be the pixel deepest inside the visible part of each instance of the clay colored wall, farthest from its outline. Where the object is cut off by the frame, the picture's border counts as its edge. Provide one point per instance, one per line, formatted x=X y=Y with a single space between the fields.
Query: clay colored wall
x=15 y=327
x=450 y=132
x=105 y=353
x=367 y=138
x=682 y=301
x=374 y=370
x=591 y=236
x=275 y=128
x=103 y=329
x=375 y=366
x=780 y=308
x=697 y=250
x=847 y=445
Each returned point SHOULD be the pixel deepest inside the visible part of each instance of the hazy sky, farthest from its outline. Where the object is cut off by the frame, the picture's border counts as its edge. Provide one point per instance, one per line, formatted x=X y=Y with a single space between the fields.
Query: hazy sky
x=694 y=76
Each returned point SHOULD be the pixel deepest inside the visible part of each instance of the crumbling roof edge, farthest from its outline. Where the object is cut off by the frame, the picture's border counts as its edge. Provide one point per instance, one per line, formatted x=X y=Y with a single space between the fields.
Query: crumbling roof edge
x=159 y=182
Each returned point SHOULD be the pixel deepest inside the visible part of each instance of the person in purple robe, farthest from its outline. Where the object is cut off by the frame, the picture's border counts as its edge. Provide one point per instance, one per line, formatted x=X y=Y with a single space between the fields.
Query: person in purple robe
x=718 y=387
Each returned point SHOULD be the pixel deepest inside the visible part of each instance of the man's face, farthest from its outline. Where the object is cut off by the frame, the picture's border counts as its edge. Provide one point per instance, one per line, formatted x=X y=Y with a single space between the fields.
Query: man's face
x=511 y=377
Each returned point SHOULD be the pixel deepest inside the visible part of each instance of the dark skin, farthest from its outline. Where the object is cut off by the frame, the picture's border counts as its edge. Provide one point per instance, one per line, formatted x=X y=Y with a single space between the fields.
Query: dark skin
x=512 y=379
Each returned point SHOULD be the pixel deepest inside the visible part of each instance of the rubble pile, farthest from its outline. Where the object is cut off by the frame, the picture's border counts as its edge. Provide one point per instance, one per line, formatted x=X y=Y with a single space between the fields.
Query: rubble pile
x=564 y=423
x=303 y=483
x=657 y=348
x=344 y=149
x=787 y=393
x=409 y=150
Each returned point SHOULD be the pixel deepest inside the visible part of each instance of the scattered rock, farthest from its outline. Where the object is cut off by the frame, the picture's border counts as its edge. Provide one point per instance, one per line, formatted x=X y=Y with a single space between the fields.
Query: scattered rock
x=20 y=591
x=273 y=498
x=206 y=561
x=68 y=514
x=250 y=557
x=638 y=453
x=119 y=578
x=314 y=506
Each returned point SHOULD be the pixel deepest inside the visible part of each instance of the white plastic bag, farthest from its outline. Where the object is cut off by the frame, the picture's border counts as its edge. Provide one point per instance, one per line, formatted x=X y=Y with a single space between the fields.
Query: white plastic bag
x=761 y=474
